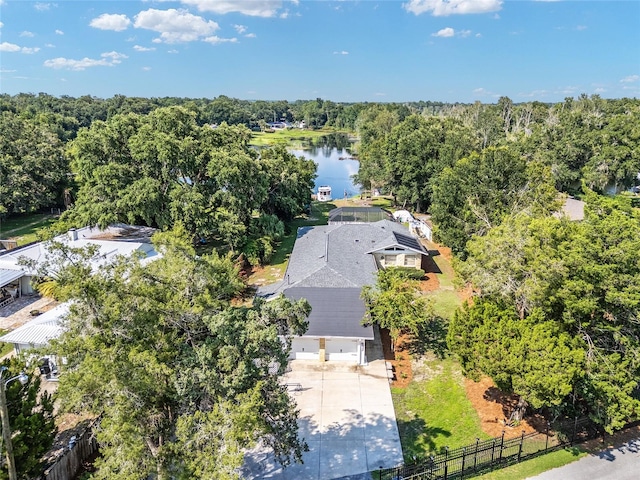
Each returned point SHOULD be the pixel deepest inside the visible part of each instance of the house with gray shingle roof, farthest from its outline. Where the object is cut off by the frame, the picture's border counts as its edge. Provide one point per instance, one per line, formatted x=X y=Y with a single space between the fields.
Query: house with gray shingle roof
x=328 y=266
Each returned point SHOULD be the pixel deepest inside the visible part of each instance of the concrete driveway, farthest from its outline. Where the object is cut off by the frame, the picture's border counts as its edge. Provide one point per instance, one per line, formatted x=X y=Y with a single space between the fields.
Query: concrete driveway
x=347 y=419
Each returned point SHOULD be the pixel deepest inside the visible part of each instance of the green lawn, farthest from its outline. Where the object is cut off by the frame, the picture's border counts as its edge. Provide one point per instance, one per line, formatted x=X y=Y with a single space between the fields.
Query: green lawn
x=24 y=228
x=447 y=274
x=292 y=138
x=445 y=303
x=433 y=411
x=535 y=466
x=5 y=348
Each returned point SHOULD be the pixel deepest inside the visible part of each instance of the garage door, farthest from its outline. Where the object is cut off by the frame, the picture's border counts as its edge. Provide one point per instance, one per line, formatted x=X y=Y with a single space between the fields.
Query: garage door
x=342 y=349
x=305 y=348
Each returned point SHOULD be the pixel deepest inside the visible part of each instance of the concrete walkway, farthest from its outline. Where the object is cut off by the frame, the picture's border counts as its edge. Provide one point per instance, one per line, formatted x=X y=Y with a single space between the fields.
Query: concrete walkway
x=347 y=419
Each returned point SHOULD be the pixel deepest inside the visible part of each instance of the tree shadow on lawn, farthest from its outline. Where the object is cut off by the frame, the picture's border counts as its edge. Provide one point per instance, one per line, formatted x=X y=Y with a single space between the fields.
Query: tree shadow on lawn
x=418 y=439
x=431 y=337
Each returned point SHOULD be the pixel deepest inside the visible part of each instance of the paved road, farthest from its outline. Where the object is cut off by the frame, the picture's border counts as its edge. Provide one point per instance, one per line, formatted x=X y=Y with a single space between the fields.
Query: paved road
x=617 y=463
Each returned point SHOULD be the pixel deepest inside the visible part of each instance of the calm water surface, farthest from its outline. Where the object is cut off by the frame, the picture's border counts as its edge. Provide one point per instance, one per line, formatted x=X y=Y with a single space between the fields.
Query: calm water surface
x=332 y=171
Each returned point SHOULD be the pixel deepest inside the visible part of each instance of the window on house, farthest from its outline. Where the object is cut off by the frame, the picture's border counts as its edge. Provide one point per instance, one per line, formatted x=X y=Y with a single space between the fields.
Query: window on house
x=390 y=259
x=409 y=261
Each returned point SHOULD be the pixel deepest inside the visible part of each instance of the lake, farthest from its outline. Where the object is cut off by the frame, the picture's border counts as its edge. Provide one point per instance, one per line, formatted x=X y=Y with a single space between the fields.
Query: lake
x=327 y=152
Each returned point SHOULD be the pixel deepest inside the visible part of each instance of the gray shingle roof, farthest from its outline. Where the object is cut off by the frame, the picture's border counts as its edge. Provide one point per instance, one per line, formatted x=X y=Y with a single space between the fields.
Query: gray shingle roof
x=330 y=264
x=335 y=312
x=341 y=248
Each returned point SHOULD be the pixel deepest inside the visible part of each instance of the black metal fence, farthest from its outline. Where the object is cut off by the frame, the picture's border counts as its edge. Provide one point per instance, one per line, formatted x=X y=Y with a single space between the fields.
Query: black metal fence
x=492 y=454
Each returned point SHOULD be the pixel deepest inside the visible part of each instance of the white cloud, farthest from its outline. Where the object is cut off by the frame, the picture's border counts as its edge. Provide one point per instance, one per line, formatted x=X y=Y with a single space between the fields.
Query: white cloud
x=380 y=94
x=240 y=29
x=114 y=56
x=443 y=8
x=483 y=92
x=478 y=35
x=569 y=90
x=250 y=35
x=139 y=48
x=146 y=69
x=175 y=25
x=109 y=59
x=111 y=21
x=445 y=32
x=59 y=32
x=173 y=50
x=253 y=8
x=12 y=47
x=43 y=7
x=7 y=71
x=214 y=39
x=1 y=24
x=27 y=33
x=342 y=52
x=630 y=79
x=535 y=94
x=600 y=90
x=49 y=45
x=464 y=33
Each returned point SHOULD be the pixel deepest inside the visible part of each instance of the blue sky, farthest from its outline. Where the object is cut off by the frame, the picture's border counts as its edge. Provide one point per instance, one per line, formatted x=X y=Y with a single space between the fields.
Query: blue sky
x=347 y=51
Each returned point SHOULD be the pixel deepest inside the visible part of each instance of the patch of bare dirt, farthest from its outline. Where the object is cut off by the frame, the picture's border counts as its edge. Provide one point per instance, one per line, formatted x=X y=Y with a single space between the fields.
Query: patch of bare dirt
x=430 y=283
x=400 y=359
x=494 y=408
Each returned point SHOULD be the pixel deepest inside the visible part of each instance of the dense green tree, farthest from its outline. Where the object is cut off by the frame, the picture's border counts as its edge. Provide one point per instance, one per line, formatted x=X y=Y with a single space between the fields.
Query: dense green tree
x=33 y=169
x=417 y=150
x=163 y=168
x=396 y=303
x=568 y=280
x=374 y=125
x=31 y=420
x=531 y=356
x=289 y=181
x=479 y=191
x=184 y=381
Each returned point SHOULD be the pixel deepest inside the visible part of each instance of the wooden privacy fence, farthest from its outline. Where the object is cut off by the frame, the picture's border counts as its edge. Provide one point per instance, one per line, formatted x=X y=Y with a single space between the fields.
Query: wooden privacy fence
x=491 y=454
x=70 y=463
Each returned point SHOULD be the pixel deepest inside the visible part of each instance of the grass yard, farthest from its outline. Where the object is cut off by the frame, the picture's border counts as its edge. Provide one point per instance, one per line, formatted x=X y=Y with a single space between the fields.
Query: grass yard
x=447 y=274
x=5 y=348
x=535 y=466
x=24 y=228
x=445 y=303
x=292 y=138
x=433 y=410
